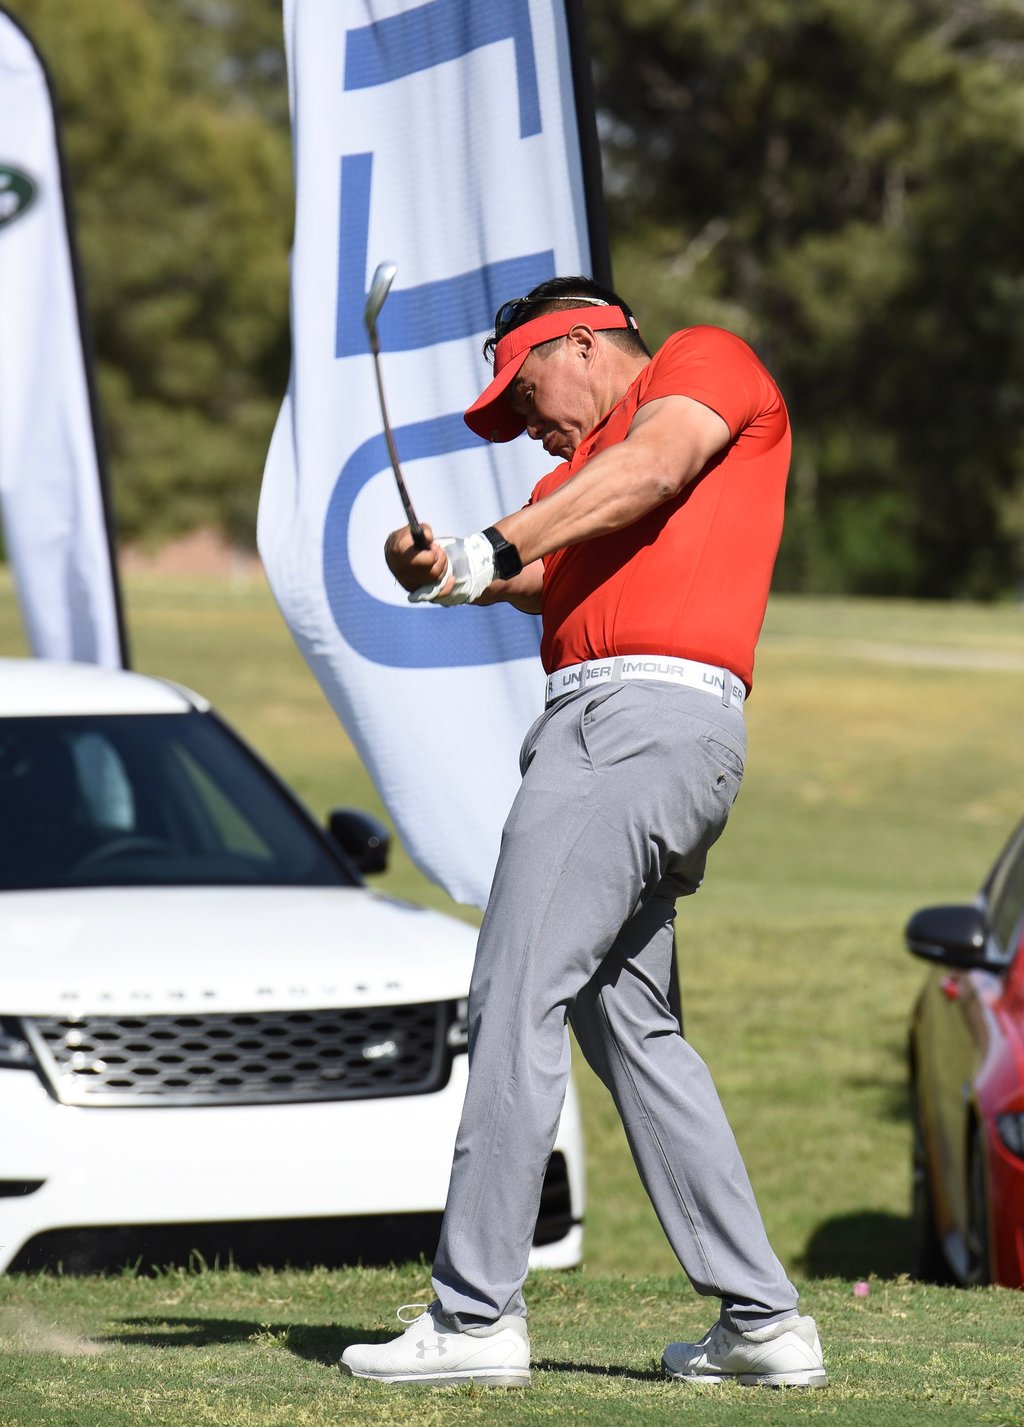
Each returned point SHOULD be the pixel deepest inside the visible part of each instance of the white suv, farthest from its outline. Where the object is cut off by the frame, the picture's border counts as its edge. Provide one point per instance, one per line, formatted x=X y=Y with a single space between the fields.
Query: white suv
x=214 y=1039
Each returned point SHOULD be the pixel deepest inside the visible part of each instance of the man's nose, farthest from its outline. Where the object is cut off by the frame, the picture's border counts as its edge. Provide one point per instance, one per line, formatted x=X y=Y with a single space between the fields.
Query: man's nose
x=534 y=429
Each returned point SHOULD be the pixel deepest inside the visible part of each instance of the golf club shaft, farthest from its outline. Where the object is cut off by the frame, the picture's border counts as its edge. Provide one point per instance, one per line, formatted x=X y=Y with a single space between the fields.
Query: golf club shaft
x=379 y=289
x=418 y=538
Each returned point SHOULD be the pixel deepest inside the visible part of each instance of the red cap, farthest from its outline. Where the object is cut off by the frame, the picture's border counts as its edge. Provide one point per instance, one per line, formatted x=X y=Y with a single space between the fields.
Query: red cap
x=491 y=416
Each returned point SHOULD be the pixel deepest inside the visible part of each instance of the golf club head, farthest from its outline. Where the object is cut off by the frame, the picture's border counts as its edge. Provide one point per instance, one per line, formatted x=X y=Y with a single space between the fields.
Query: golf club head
x=379 y=289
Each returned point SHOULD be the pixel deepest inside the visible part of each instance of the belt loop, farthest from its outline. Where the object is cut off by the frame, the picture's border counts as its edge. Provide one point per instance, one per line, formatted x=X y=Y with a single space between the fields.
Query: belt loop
x=726 y=687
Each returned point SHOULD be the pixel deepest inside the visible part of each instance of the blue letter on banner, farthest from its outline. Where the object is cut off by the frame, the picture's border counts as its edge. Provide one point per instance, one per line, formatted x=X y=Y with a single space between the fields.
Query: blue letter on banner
x=419 y=317
x=405 y=638
x=416 y=317
x=444 y=30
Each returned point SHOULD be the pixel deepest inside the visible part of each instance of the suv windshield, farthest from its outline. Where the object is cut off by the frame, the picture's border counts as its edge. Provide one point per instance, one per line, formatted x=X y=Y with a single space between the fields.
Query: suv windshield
x=147 y=800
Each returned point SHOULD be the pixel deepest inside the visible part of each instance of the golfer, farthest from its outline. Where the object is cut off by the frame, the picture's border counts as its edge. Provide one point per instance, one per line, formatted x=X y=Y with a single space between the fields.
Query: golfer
x=648 y=553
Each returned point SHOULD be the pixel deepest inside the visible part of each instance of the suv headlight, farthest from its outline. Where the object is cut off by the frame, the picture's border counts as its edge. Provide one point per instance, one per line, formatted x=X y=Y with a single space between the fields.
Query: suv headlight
x=15 y=1051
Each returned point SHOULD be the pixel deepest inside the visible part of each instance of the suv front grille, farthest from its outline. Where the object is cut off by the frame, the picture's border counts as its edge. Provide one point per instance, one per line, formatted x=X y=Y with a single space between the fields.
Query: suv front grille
x=246 y=1058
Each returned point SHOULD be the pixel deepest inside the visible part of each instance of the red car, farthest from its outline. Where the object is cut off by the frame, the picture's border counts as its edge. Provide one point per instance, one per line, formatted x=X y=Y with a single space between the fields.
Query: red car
x=967 y=1083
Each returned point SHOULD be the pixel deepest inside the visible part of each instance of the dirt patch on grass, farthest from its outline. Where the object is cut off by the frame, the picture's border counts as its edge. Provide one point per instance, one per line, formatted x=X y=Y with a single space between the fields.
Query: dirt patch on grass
x=27 y=1333
x=200 y=552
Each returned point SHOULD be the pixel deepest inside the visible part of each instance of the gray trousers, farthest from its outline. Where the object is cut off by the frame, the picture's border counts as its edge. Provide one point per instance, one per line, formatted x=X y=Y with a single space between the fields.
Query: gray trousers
x=624 y=790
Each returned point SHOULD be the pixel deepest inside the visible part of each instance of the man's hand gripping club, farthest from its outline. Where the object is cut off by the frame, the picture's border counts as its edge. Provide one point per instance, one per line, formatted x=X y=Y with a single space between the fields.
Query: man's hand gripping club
x=452 y=571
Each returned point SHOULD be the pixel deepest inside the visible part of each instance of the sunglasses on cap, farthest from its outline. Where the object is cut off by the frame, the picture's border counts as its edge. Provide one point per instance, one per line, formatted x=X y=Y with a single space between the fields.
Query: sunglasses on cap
x=508 y=314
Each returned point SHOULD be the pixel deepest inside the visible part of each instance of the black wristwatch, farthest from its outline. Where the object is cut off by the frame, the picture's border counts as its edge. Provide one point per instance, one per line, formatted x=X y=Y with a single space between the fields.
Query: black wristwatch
x=507 y=563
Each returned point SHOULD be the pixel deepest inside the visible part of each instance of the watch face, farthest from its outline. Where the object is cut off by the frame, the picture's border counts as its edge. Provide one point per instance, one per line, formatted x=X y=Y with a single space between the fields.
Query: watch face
x=507 y=563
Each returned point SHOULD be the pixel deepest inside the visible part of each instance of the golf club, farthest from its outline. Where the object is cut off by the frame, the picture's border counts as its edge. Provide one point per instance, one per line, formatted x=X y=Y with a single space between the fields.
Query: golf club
x=379 y=289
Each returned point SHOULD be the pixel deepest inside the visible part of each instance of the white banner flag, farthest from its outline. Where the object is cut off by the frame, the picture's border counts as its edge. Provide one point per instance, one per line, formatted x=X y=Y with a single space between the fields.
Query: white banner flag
x=444 y=137
x=51 y=495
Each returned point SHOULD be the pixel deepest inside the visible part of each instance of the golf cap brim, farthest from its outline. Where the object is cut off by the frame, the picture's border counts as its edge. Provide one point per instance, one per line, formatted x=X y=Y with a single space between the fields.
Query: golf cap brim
x=491 y=415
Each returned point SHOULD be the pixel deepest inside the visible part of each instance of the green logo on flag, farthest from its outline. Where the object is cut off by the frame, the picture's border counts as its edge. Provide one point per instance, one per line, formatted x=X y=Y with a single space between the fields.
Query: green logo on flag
x=16 y=193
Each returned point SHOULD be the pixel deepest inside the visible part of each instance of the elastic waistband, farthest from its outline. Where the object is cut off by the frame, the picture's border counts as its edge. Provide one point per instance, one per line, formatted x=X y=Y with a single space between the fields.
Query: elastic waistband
x=666 y=668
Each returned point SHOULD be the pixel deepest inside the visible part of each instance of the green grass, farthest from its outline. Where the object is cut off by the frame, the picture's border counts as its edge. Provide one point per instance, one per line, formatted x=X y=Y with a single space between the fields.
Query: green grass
x=885 y=771
x=251 y=1350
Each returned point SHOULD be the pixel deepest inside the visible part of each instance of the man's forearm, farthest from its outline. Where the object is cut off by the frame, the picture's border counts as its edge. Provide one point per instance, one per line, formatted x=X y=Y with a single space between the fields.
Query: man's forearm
x=669 y=443
x=594 y=502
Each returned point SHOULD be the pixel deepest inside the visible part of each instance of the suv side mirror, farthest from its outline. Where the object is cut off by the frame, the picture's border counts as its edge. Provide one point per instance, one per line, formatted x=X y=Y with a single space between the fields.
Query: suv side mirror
x=951 y=936
x=361 y=837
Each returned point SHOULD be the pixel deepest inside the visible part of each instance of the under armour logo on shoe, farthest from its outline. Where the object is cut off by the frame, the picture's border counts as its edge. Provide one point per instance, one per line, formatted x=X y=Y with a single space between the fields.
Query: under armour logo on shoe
x=425 y=1346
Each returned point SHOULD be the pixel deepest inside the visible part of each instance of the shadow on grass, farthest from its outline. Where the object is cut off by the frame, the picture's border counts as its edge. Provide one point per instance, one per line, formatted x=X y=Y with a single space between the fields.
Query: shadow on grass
x=317 y=1343
x=597 y=1370
x=856 y=1245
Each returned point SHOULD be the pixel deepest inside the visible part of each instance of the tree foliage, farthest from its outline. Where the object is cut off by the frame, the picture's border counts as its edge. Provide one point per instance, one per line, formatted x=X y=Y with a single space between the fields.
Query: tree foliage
x=836 y=181
x=174 y=121
x=840 y=183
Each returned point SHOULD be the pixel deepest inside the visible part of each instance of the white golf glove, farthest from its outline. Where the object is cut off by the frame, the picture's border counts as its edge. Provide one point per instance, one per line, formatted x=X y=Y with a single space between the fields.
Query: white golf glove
x=470 y=564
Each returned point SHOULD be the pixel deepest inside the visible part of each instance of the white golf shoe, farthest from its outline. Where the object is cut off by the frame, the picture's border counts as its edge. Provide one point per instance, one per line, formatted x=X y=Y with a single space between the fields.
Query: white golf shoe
x=785 y=1354
x=433 y=1353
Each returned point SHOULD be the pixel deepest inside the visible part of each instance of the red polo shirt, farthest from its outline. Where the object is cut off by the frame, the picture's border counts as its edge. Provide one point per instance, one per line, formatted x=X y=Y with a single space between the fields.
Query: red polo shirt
x=691 y=577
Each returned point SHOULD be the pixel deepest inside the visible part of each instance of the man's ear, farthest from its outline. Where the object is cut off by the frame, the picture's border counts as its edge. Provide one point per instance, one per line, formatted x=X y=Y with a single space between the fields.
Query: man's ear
x=583 y=340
